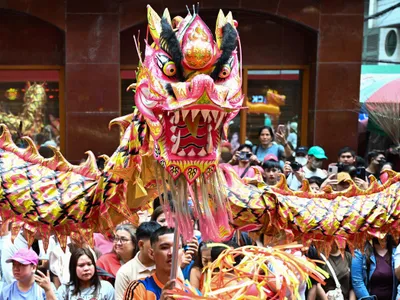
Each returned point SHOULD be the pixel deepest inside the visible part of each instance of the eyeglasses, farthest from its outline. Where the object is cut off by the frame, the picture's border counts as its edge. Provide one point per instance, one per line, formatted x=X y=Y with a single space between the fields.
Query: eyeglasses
x=121 y=239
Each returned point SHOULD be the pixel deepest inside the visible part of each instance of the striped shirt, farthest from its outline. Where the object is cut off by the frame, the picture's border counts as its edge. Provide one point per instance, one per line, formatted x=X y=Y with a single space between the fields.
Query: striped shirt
x=149 y=288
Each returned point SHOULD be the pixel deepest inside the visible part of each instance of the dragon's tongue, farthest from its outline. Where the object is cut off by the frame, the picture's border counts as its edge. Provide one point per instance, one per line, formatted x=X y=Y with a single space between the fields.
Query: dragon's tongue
x=192 y=124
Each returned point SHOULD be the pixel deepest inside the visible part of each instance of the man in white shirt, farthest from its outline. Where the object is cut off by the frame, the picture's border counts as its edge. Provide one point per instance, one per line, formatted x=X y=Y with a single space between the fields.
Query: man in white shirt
x=316 y=156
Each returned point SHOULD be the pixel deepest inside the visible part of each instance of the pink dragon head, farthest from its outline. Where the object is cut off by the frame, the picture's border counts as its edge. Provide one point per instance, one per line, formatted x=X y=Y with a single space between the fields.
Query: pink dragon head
x=188 y=90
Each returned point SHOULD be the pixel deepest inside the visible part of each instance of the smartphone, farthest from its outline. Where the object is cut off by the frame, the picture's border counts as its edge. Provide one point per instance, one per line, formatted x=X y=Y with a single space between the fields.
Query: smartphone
x=360 y=173
x=281 y=129
x=332 y=170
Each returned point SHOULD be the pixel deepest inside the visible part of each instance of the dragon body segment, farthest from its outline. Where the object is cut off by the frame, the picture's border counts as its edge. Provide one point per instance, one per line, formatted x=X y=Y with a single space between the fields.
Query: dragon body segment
x=188 y=90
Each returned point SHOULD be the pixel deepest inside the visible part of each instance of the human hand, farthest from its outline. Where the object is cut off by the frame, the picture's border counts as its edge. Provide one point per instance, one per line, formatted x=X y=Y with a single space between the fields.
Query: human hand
x=300 y=175
x=42 y=280
x=235 y=157
x=287 y=169
x=186 y=259
x=280 y=138
x=193 y=247
x=254 y=159
x=362 y=184
x=331 y=180
x=167 y=290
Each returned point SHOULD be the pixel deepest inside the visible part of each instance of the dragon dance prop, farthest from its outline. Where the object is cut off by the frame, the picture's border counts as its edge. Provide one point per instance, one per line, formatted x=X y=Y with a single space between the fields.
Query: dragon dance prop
x=188 y=90
x=262 y=273
x=30 y=121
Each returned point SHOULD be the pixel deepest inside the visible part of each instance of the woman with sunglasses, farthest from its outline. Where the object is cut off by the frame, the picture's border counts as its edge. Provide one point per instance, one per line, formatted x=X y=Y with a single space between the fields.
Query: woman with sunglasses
x=85 y=284
x=124 y=250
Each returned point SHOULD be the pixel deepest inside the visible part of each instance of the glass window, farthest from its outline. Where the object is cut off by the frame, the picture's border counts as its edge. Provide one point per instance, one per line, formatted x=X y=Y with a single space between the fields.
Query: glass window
x=127 y=97
x=274 y=97
x=29 y=105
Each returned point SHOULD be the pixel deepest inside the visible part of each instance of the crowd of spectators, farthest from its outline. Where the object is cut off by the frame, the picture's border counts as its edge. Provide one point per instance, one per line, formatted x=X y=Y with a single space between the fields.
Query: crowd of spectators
x=136 y=262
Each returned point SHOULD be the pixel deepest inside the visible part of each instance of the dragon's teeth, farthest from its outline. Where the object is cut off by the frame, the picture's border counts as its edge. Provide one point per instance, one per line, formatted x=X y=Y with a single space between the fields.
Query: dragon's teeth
x=176 y=117
x=173 y=138
x=209 y=119
x=202 y=152
x=215 y=114
x=173 y=129
x=182 y=153
x=205 y=114
x=185 y=112
x=209 y=127
x=191 y=153
x=220 y=120
x=209 y=144
x=176 y=145
x=194 y=114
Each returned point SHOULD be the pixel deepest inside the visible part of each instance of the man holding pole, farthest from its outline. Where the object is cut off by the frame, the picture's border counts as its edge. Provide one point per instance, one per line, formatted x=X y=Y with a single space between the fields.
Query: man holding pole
x=161 y=251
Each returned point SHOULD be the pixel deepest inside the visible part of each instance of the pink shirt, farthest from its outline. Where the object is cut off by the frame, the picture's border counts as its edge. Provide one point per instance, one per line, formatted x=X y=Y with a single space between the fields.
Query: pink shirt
x=250 y=172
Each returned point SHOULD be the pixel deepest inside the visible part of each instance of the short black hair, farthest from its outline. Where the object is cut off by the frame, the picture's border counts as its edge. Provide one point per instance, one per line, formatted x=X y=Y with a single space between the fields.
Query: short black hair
x=269 y=164
x=360 y=162
x=373 y=154
x=315 y=179
x=146 y=229
x=163 y=230
x=217 y=250
x=242 y=146
x=345 y=150
x=46 y=152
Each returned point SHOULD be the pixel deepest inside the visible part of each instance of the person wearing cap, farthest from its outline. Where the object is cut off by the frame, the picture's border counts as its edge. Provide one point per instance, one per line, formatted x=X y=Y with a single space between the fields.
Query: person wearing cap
x=28 y=284
x=272 y=169
x=21 y=241
x=316 y=156
x=294 y=170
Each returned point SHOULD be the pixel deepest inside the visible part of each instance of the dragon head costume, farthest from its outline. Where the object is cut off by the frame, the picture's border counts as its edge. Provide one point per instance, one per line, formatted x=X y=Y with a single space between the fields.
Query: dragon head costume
x=188 y=90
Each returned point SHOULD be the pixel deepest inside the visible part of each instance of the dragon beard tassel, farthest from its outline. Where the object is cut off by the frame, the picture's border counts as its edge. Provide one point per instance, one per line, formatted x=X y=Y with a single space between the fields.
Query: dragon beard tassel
x=209 y=205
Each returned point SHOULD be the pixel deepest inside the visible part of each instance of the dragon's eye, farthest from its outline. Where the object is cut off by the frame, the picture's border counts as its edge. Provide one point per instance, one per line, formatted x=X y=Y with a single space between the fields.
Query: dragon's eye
x=169 y=69
x=225 y=72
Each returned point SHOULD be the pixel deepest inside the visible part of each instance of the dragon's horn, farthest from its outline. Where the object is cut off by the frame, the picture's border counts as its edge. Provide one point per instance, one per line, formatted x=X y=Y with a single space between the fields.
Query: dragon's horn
x=221 y=21
x=154 y=24
x=123 y=122
x=167 y=16
x=105 y=157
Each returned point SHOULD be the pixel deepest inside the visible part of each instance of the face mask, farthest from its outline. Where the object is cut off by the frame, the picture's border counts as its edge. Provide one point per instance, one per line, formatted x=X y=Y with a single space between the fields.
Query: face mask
x=381 y=161
x=301 y=160
x=316 y=164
